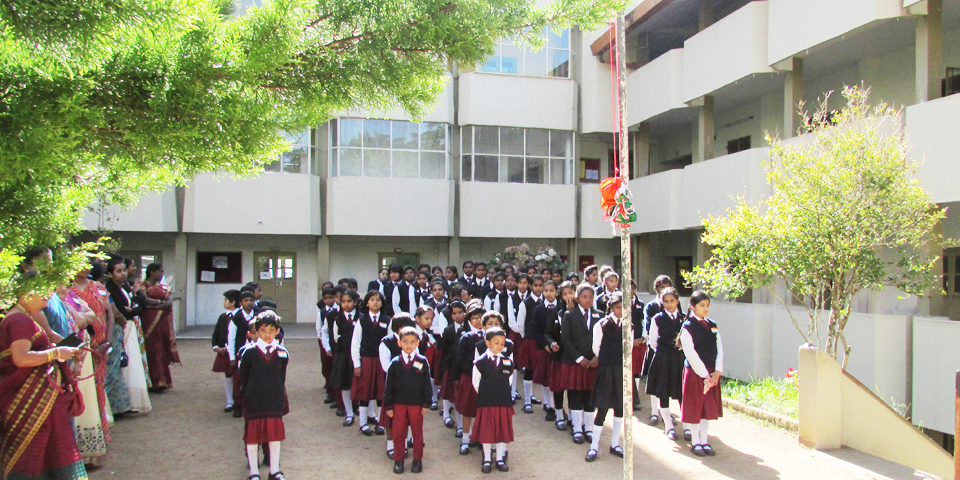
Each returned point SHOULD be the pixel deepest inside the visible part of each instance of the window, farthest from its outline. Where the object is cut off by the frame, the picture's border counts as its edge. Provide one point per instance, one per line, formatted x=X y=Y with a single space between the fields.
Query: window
x=552 y=60
x=516 y=155
x=388 y=149
x=590 y=170
x=738 y=145
x=299 y=159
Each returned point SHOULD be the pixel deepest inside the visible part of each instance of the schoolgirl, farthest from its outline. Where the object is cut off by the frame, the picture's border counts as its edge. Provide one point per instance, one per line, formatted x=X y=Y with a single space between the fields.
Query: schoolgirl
x=263 y=373
x=579 y=367
x=428 y=342
x=447 y=345
x=221 y=363
x=325 y=307
x=342 y=337
x=639 y=342
x=368 y=373
x=466 y=397
x=236 y=339
x=450 y=275
x=591 y=275
x=527 y=347
x=391 y=288
x=499 y=279
x=650 y=310
x=422 y=287
x=608 y=386
x=703 y=367
x=492 y=374
x=611 y=285
x=507 y=304
x=553 y=344
x=665 y=375
x=388 y=350
x=542 y=318
x=438 y=301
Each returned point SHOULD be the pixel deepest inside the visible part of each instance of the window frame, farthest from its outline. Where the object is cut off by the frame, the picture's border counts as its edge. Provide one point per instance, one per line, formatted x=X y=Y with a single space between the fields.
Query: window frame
x=468 y=134
x=524 y=52
x=335 y=147
x=308 y=166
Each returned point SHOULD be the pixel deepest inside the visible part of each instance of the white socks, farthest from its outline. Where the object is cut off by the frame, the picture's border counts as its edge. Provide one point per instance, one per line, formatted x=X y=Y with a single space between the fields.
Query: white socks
x=363 y=414
x=617 y=432
x=486 y=452
x=694 y=432
x=588 y=418
x=501 y=449
x=372 y=408
x=514 y=383
x=547 y=396
x=576 y=418
x=389 y=445
x=704 y=428
x=466 y=439
x=347 y=402
x=446 y=409
x=252 y=460
x=527 y=391
x=654 y=404
x=667 y=419
x=597 y=431
x=459 y=419
x=274 y=456
x=228 y=389
x=436 y=390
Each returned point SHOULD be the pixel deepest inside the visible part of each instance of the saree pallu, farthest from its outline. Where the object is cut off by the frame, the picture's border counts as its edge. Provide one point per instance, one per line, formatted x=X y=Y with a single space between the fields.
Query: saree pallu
x=159 y=339
x=133 y=374
x=93 y=294
x=116 y=386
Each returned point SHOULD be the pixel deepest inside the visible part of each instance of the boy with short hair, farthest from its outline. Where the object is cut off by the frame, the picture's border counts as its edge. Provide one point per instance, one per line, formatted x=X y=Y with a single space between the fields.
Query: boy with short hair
x=407 y=396
x=326 y=306
x=237 y=338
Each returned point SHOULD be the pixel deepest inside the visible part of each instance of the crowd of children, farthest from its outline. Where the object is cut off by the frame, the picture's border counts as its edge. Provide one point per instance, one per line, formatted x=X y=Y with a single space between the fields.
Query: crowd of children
x=425 y=339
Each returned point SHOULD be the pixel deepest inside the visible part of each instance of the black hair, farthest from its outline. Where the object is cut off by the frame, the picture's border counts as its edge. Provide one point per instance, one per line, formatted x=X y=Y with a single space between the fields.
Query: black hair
x=352 y=294
x=253 y=285
x=326 y=284
x=468 y=262
x=545 y=271
x=353 y=283
x=401 y=321
x=494 y=332
x=590 y=269
x=96 y=269
x=660 y=281
x=153 y=267
x=366 y=298
x=480 y=264
x=408 y=267
x=697 y=297
x=247 y=288
x=406 y=331
x=395 y=268
x=567 y=284
x=457 y=304
x=523 y=276
x=341 y=289
x=615 y=298
x=583 y=287
x=343 y=281
x=514 y=275
x=232 y=296
x=267 y=318
x=452 y=269
x=438 y=267
x=328 y=291
x=422 y=266
x=127 y=262
x=535 y=278
x=549 y=282
x=455 y=290
x=499 y=275
x=491 y=314
x=246 y=294
x=573 y=275
x=112 y=263
x=422 y=309
x=268 y=304
x=438 y=282
x=672 y=291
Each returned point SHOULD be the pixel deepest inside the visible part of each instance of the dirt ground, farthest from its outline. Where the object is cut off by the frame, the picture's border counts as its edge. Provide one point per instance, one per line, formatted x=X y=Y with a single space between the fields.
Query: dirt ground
x=187 y=436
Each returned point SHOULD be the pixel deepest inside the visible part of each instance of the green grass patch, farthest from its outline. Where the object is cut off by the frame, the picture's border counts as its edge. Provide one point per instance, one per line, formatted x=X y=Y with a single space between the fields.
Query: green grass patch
x=776 y=396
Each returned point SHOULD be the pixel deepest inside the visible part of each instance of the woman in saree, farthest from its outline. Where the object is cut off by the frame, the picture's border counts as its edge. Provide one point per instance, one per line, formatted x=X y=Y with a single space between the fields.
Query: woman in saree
x=37 y=399
x=159 y=337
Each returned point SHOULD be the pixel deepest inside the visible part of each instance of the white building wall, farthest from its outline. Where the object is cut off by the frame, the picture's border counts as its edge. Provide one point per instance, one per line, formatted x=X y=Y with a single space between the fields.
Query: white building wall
x=656 y=87
x=936 y=360
x=933 y=133
x=505 y=210
x=517 y=101
x=356 y=256
x=155 y=212
x=596 y=111
x=711 y=187
x=659 y=199
x=441 y=111
x=351 y=200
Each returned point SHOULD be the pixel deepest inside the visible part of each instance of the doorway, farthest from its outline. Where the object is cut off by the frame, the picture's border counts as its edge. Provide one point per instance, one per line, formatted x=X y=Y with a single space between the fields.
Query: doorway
x=951 y=275
x=276 y=273
x=402 y=259
x=683 y=264
x=144 y=258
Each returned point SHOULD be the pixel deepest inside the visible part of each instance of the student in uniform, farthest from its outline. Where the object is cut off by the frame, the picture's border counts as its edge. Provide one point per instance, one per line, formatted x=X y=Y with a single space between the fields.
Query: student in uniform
x=428 y=342
x=389 y=350
x=263 y=373
x=438 y=301
x=422 y=287
x=491 y=297
x=219 y=340
x=450 y=275
x=326 y=307
x=407 y=396
x=542 y=318
x=527 y=347
x=579 y=366
x=365 y=353
x=424 y=268
x=466 y=397
x=482 y=285
x=437 y=270
x=467 y=278
x=507 y=304
x=611 y=285
x=554 y=343
x=639 y=342
x=591 y=275
x=608 y=385
x=665 y=376
x=377 y=284
x=236 y=339
x=447 y=345
x=391 y=288
x=342 y=337
x=703 y=367
x=650 y=310
x=492 y=374
x=557 y=276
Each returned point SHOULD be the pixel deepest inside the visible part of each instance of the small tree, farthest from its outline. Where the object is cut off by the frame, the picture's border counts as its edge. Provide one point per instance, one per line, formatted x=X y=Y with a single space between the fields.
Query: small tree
x=845 y=214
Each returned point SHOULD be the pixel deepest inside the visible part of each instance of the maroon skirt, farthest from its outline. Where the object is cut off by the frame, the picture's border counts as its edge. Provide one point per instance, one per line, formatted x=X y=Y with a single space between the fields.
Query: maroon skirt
x=386 y=421
x=493 y=424
x=574 y=377
x=466 y=398
x=525 y=354
x=262 y=430
x=433 y=357
x=514 y=337
x=637 y=355
x=369 y=385
x=541 y=367
x=448 y=392
x=696 y=405
x=221 y=364
x=555 y=371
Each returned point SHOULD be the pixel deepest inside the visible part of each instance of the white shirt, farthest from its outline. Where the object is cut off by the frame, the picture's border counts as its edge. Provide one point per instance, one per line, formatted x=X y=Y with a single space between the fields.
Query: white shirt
x=323 y=332
x=266 y=347
x=384 y=352
x=586 y=316
x=232 y=337
x=353 y=319
x=511 y=315
x=686 y=340
x=655 y=331
x=598 y=332
x=496 y=358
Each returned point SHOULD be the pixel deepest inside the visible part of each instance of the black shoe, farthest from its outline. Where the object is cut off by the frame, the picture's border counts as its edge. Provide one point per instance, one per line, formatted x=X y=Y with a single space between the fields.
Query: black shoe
x=551 y=415
x=561 y=425
x=502 y=466
x=475 y=444
x=591 y=455
x=616 y=451
x=341 y=412
x=534 y=401
x=687 y=436
x=372 y=420
x=464 y=449
x=698 y=450
x=390 y=454
x=671 y=434
x=276 y=476
x=379 y=430
x=366 y=430
x=528 y=408
x=397 y=467
x=266 y=459
x=709 y=450
x=506 y=453
x=417 y=466
x=578 y=438
x=328 y=400
x=449 y=423
x=237 y=412
x=588 y=434
x=228 y=408
x=333 y=405
x=485 y=467
x=459 y=433
x=653 y=420
x=434 y=406
x=636 y=407
x=348 y=422
x=409 y=443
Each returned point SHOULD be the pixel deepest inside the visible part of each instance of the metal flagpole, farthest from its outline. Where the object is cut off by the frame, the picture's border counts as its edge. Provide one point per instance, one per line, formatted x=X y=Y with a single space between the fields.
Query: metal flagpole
x=627 y=329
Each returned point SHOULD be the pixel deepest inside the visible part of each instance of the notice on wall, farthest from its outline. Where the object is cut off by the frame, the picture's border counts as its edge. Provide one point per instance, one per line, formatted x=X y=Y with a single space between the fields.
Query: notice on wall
x=220 y=262
x=268 y=275
x=208 y=276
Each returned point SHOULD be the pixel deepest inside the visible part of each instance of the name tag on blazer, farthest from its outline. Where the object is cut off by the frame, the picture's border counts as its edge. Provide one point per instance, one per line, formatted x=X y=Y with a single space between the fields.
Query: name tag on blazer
x=596 y=315
x=507 y=372
x=506 y=362
x=383 y=325
x=282 y=354
x=418 y=365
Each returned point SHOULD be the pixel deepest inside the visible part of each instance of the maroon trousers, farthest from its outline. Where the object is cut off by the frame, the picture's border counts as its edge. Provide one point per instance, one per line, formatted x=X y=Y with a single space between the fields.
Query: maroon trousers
x=237 y=398
x=404 y=415
x=326 y=367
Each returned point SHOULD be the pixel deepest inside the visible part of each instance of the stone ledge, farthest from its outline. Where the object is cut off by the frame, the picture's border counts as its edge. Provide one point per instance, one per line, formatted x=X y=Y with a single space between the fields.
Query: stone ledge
x=778 y=420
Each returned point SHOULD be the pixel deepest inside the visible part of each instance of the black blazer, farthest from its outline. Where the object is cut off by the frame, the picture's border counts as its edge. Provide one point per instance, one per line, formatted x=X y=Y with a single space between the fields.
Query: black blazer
x=121 y=300
x=576 y=334
x=373 y=285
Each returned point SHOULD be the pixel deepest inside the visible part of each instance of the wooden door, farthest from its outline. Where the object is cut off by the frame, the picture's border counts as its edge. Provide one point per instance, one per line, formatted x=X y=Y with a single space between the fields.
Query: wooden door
x=276 y=272
x=402 y=259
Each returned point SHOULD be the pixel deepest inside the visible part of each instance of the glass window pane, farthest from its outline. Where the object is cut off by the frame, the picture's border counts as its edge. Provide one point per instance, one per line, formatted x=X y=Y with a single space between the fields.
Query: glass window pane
x=487 y=140
x=560 y=144
x=560 y=171
x=536 y=170
x=493 y=63
x=485 y=168
x=273 y=167
x=558 y=39
x=537 y=142
x=433 y=165
x=376 y=163
x=511 y=169
x=350 y=162
x=433 y=136
x=466 y=168
x=466 y=140
x=559 y=63
x=296 y=160
x=333 y=132
x=334 y=162
x=511 y=141
x=406 y=135
x=406 y=164
x=350 y=131
x=376 y=133
x=510 y=58
x=535 y=63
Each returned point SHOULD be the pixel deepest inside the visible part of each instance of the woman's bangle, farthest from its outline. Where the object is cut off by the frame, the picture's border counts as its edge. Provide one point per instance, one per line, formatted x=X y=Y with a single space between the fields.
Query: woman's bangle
x=51 y=354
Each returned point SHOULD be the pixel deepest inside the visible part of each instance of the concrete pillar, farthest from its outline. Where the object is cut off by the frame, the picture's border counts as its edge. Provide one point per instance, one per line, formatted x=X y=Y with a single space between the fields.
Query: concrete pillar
x=705 y=130
x=705 y=14
x=792 y=96
x=820 y=402
x=323 y=259
x=642 y=260
x=573 y=256
x=453 y=251
x=929 y=52
x=641 y=151
x=181 y=279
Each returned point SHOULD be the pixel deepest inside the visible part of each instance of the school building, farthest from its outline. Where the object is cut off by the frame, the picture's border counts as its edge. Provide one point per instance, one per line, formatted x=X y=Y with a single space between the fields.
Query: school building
x=514 y=150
